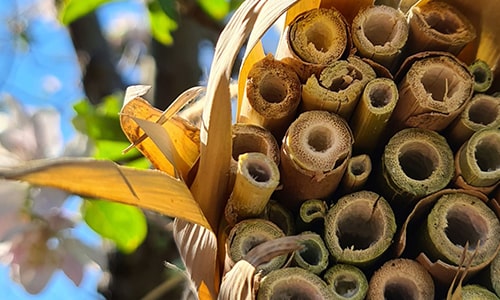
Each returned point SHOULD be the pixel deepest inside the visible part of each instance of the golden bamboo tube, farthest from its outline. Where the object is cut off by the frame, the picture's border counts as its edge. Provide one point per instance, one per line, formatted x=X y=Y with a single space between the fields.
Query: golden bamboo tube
x=477 y=292
x=279 y=215
x=358 y=170
x=372 y=113
x=477 y=162
x=249 y=233
x=272 y=95
x=256 y=179
x=432 y=93
x=313 y=257
x=481 y=112
x=415 y=163
x=338 y=87
x=439 y=26
x=293 y=283
x=401 y=279
x=314 y=156
x=380 y=33
x=313 y=40
x=483 y=75
x=346 y=282
x=359 y=228
x=455 y=220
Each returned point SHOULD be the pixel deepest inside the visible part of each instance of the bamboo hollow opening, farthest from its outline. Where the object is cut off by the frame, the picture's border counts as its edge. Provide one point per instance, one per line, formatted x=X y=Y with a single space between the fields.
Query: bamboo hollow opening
x=380 y=95
x=418 y=160
x=484 y=111
x=272 y=88
x=400 y=288
x=343 y=80
x=253 y=138
x=487 y=153
x=346 y=281
x=346 y=286
x=466 y=225
x=441 y=83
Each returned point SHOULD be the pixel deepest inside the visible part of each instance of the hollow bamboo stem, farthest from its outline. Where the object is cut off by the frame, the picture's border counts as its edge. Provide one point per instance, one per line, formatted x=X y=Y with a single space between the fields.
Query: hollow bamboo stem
x=358 y=170
x=346 y=282
x=313 y=257
x=483 y=75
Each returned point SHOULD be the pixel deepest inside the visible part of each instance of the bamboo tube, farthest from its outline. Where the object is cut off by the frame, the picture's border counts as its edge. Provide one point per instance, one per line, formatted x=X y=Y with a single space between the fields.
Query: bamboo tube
x=455 y=220
x=358 y=170
x=359 y=228
x=249 y=233
x=380 y=33
x=338 y=87
x=401 y=279
x=477 y=162
x=481 y=112
x=346 y=282
x=314 y=157
x=483 y=75
x=415 y=163
x=256 y=179
x=272 y=95
x=372 y=113
x=432 y=93
x=279 y=215
x=439 y=26
x=313 y=257
x=313 y=40
x=477 y=292
x=293 y=283
x=311 y=215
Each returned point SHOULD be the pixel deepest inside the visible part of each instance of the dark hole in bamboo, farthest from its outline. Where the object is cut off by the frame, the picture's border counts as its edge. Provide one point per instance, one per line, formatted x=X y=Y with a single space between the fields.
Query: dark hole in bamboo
x=488 y=153
x=483 y=111
x=245 y=143
x=272 y=89
x=357 y=168
x=380 y=95
x=465 y=225
x=379 y=28
x=311 y=253
x=251 y=242
x=480 y=75
x=343 y=81
x=346 y=286
x=259 y=171
x=359 y=226
x=320 y=139
x=418 y=160
x=400 y=289
x=443 y=23
x=440 y=82
x=319 y=35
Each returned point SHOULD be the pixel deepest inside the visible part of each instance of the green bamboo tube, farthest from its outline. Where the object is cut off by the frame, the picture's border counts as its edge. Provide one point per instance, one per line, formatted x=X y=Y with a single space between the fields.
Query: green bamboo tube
x=477 y=292
x=292 y=283
x=279 y=215
x=481 y=112
x=313 y=257
x=312 y=212
x=338 y=87
x=478 y=160
x=432 y=93
x=314 y=156
x=346 y=282
x=313 y=40
x=401 y=279
x=483 y=75
x=380 y=33
x=359 y=228
x=249 y=233
x=272 y=95
x=439 y=26
x=415 y=163
x=372 y=113
x=456 y=219
x=256 y=179
x=358 y=170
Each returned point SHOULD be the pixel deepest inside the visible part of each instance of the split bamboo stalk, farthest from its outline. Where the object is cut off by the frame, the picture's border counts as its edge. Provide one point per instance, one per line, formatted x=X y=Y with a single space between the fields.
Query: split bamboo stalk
x=311 y=215
x=314 y=156
x=481 y=112
x=272 y=95
x=380 y=33
x=483 y=75
x=439 y=26
x=359 y=228
x=313 y=40
x=313 y=257
x=346 y=282
x=338 y=87
x=256 y=179
x=401 y=279
x=358 y=170
x=372 y=114
x=432 y=93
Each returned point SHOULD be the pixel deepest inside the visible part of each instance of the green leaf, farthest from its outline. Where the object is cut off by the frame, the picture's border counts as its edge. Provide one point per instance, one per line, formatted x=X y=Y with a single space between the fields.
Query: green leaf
x=161 y=24
x=72 y=10
x=125 y=225
x=216 y=9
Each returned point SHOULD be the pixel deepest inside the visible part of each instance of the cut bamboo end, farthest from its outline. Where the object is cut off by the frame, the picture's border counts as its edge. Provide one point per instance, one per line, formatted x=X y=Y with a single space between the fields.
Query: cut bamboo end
x=415 y=163
x=479 y=159
x=313 y=257
x=474 y=291
x=338 y=87
x=483 y=75
x=272 y=96
x=401 y=279
x=371 y=115
x=432 y=93
x=481 y=112
x=359 y=228
x=439 y=26
x=292 y=283
x=459 y=219
x=346 y=282
x=249 y=233
x=380 y=33
x=314 y=157
x=256 y=179
x=312 y=210
x=358 y=170
x=279 y=215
